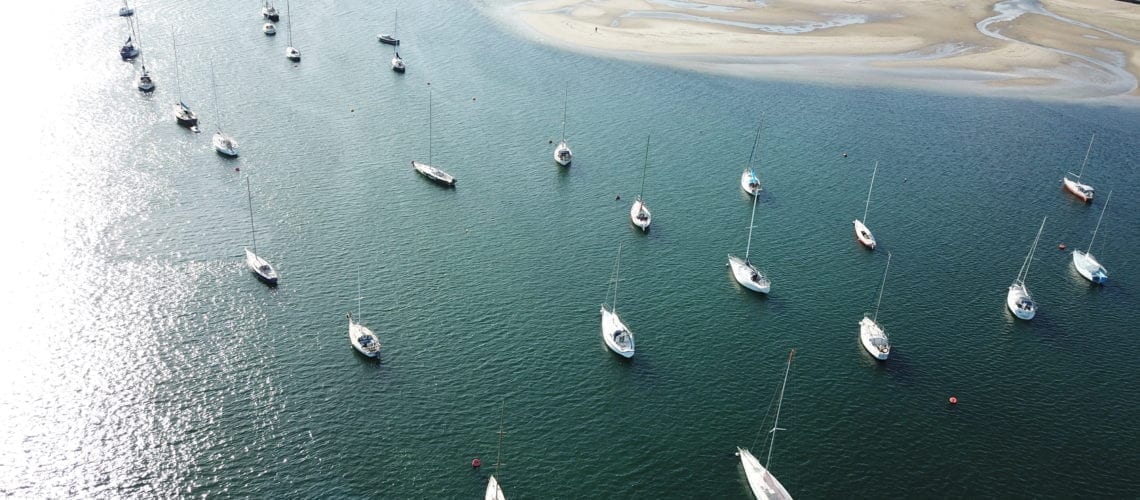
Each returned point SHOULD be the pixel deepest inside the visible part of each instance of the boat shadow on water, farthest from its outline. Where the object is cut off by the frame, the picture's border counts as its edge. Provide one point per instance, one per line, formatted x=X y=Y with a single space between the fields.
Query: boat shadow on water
x=898 y=366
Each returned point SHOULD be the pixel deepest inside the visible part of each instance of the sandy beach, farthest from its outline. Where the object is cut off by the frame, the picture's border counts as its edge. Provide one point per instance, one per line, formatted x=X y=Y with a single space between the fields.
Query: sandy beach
x=1063 y=49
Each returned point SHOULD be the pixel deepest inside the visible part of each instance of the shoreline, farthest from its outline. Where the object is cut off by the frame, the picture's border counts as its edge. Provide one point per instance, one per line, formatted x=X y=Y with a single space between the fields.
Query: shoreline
x=1063 y=50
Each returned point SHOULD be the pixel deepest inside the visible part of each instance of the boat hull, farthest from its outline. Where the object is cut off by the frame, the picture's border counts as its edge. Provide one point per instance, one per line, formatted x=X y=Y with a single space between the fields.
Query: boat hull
x=270 y=14
x=749 y=183
x=185 y=117
x=863 y=235
x=388 y=39
x=146 y=84
x=1020 y=303
x=874 y=339
x=616 y=335
x=1088 y=267
x=748 y=276
x=362 y=339
x=292 y=54
x=434 y=174
x=562 y=154
x=1084 y=192
x=398 y=65
x=763 y=484
x=494 y=491
x=225 y=145
x=269 y=29
x=640 y=216
x=128 y=52
x=261 y=267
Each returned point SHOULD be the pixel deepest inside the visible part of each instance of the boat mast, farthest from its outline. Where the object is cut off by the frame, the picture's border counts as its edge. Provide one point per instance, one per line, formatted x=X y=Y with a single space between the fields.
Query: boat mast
x=1079 y=174
x=289 y=23
x=617 y=272
x=644 y=167
x=564 y=93
x=358 y=318
x=499 y=451
x=429 y=126
x=867 y=207
x=214 y=85
x=1021 y=276
x=252 y=231
x=1098 y=221
x=395 y=22
x=177 y=82
x=882 y=286
x=754 y=144
x=776 y=421
x=751 y=224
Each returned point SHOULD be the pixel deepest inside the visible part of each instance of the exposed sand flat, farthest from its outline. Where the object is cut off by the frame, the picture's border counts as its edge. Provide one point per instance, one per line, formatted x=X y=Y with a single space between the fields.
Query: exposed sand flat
x=1043 y=48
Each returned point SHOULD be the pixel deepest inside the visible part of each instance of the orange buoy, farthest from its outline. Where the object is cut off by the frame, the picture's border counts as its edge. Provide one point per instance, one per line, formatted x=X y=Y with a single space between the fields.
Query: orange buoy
x=953 y=400
x=476 y=463
x=1061 y=246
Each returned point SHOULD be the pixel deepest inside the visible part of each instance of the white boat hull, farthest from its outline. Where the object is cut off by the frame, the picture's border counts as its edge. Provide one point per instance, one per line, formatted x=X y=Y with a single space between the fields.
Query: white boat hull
x=616 y=335
x=748 y=276
x=433 y=173
x=640 y=216
x=292 y=54
x=1088 y=267
x=874 y=339
x=763 y=484
x=261 y=267
x=1083 y=191
x=225 y=145
x=1020 y=303
x=362 y=339
x=863 y=235
x=398 y=65
x=494 y=491
x=562 y=154
x=269 y=29
x=749 y=183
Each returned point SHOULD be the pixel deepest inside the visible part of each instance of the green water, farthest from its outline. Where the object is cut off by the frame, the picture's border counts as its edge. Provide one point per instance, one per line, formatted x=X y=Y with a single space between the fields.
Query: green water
x=142 y=359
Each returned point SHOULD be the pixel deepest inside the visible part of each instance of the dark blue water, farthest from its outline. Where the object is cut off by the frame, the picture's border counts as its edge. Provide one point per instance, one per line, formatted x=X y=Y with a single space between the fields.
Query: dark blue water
x=143 y=359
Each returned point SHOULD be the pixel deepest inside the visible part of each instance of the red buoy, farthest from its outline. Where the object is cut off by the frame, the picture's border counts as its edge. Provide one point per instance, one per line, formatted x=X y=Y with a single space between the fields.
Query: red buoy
x=1061 y=246
x=237 y=169
x=953 y=400
x=476 y=463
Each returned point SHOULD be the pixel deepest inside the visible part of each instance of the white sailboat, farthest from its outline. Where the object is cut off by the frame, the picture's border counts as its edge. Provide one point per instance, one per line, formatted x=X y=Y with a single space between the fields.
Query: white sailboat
x=390 y=39
x=291 y=52
x=1018 y=300
x=398 y=64
x=1084 y=262
x=144 y=82
x=494 y=489
x=426 y=169
x=562 y=153
x=763 y=484
x=615 y=334
x=742 y=269
x=360 y=336
x=871 y=333
x=861 y=232
x=182 y=113
x=639 y=213
x=268 y=11
x=261 y=267
x=224 y=144
x=1083 y=191
x=748 y=180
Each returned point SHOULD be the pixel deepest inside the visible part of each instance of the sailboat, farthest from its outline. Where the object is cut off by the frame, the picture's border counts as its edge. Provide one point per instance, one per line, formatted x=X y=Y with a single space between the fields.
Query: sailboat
x=291 y=52
x=742 y=269
x=223 y=144
x=1018 y=300
x=615 y=334
x=1083 y=191
x=261 y=267
x=144 y=82
x=182 y=112
x=360 y=336
x=390 y=39
x=748 y=180
x=426 y=169
x=1086 y=264
x=268 y=11
x=764 y=485
x=128 y=51
x=494 y=490
x=397 y=63
x=639 y=213
x=871 y=333
x=861 y=232
x=562 y=153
